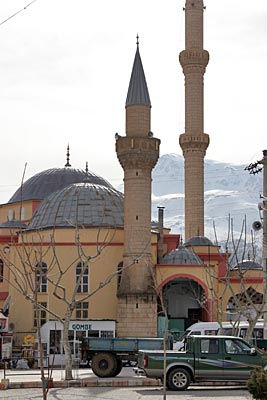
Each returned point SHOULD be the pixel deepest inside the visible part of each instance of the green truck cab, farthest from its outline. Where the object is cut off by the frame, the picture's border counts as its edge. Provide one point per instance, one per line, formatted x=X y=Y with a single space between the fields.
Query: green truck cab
x=205 y=359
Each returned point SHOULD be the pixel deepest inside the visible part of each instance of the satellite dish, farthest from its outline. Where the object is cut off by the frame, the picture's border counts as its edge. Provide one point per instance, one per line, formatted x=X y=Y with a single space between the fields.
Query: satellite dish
x=257 y=225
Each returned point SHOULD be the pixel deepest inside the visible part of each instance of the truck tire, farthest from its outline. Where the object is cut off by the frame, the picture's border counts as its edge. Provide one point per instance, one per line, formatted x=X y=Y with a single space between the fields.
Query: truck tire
x=119 y=367
x=178 y=379
x=104 y=365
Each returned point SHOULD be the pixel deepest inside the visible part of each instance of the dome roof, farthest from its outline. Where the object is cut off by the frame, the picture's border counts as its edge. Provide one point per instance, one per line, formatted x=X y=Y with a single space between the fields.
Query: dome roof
x=46 y=182
x=247 y=264
x=198 y=241
x=181 y=255
x=80 y=204
x=13 y=224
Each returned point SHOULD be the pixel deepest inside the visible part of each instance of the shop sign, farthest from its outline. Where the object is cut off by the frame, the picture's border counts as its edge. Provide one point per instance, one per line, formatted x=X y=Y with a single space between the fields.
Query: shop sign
x=28 y=339
x=81 y=327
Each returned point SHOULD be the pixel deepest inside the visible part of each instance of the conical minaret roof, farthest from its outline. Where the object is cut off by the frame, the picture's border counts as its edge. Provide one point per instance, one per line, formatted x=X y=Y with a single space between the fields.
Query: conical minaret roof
x=137 y=91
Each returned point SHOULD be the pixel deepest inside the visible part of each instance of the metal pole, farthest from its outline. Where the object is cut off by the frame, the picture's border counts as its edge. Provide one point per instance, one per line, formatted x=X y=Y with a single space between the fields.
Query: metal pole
x=264 y=238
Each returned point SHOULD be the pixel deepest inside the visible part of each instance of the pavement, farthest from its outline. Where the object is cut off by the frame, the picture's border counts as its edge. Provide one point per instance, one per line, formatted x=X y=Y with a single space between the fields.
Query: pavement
x=17 y=379
x=31 y=378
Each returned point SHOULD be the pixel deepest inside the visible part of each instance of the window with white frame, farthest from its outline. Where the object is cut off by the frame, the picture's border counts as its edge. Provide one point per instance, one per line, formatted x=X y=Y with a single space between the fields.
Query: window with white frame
x=82 y=310
x=41 y=277
x=40 y=314
x=82 y=277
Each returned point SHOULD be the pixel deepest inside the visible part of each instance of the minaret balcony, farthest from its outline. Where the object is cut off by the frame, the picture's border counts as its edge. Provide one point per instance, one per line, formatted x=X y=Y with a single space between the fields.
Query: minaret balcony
x=194 y=57
x=189 y=141
x=137 y=152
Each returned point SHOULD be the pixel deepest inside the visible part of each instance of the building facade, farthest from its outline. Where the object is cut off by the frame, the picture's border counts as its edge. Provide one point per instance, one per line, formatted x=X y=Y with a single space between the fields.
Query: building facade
x=67 y=237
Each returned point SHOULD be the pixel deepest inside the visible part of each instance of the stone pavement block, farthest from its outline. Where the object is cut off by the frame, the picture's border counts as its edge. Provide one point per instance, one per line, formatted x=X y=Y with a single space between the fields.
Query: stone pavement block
x=31 y=384
x=60 y=384
x=74 y=383
x=117 y=383
x=89 y=383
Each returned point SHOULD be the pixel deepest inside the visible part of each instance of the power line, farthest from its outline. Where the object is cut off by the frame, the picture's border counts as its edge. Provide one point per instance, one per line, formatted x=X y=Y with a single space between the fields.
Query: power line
x=16 y=13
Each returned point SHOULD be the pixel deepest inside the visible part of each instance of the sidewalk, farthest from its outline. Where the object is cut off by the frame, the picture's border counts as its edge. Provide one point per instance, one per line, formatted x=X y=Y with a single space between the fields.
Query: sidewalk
x=81 y=378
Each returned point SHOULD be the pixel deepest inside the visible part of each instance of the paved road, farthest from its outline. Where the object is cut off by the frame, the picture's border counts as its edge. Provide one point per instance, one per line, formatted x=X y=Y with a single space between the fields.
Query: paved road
x=145 y=393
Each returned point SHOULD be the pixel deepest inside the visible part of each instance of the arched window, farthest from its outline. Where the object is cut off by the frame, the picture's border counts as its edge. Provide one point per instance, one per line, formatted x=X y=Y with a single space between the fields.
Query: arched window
x=41 y=277
x=10 y=215
x=1 y=270
x=82 y=277
x=22 y=213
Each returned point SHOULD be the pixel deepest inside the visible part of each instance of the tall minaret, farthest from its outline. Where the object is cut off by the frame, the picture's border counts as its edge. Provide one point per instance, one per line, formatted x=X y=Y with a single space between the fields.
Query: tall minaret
x=194 y=142
x=138 y=153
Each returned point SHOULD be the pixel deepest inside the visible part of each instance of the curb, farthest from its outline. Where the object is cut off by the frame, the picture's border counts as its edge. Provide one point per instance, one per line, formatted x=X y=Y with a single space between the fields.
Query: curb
x=88 y=383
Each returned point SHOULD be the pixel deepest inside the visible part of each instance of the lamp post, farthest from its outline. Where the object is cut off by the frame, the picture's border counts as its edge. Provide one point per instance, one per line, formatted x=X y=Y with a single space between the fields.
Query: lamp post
x=264 y=238
x=255 y=169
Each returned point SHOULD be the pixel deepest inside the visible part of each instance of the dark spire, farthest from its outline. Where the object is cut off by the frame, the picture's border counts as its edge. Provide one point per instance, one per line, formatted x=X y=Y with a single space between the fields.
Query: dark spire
x=86 y=167
x=137 y=91
x=68 y=157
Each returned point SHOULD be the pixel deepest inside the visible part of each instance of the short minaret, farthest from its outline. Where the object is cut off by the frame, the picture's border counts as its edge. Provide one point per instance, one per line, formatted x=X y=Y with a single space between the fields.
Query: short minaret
x=194 y=142
x=138 y=153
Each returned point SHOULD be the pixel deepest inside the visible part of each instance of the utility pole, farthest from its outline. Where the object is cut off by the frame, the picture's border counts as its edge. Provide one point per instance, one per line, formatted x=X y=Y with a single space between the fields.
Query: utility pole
x=254 y=169
x=264 y=208
x=264 y=238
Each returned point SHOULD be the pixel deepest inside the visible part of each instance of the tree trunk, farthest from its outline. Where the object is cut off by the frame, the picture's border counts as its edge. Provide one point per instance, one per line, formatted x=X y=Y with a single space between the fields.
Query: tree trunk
x=40 y=347
x=67 y=347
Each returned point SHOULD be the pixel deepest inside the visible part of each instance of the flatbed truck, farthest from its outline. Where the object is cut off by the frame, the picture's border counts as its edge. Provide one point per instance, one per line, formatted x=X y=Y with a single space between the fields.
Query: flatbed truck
x=107 y=355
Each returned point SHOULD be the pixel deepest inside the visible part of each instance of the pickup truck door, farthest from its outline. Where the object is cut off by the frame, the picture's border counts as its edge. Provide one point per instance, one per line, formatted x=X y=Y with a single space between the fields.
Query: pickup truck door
x=208 y=363
x=238 y=359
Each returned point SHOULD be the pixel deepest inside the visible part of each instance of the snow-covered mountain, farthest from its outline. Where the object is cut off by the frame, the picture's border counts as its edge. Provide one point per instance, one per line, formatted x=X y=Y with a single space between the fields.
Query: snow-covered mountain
x=231 y=193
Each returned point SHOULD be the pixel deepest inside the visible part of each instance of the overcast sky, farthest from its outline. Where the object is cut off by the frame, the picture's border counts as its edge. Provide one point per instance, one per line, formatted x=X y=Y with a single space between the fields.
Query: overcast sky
x=65 y=68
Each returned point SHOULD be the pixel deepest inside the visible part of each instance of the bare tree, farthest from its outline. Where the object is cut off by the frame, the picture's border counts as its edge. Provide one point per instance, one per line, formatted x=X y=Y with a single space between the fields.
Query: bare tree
x=162 y=310
x=30 y=272
x=243 y=300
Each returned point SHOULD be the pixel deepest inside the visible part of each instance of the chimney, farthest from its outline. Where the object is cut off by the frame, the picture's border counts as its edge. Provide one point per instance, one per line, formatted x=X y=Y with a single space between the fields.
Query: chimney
x=160 y=239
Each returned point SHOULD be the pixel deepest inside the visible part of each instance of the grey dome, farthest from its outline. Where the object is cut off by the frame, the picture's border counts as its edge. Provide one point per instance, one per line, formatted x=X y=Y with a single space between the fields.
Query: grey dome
x=81 y=204
x=198 y=241
x=181 y=256
x=13 y=224
x=247 y=264
x=41 y=185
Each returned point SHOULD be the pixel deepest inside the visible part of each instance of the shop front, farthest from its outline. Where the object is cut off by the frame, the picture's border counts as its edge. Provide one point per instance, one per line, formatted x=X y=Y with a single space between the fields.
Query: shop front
x=52 y=338
x=5 y=339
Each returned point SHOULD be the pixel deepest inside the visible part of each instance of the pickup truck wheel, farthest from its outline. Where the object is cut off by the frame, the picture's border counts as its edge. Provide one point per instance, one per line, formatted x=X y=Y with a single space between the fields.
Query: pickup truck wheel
x=104 y=365
x=178 y=379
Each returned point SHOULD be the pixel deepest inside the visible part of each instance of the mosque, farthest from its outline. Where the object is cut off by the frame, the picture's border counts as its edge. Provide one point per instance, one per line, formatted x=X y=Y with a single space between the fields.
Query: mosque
x=70 y=229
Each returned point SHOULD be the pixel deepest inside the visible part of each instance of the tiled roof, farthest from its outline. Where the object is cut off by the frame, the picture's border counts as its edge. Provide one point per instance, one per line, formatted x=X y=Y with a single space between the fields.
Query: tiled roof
x=181 y=256
x=198 y=241
x=46 y=182
x=13 y=224
x=82 y=205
